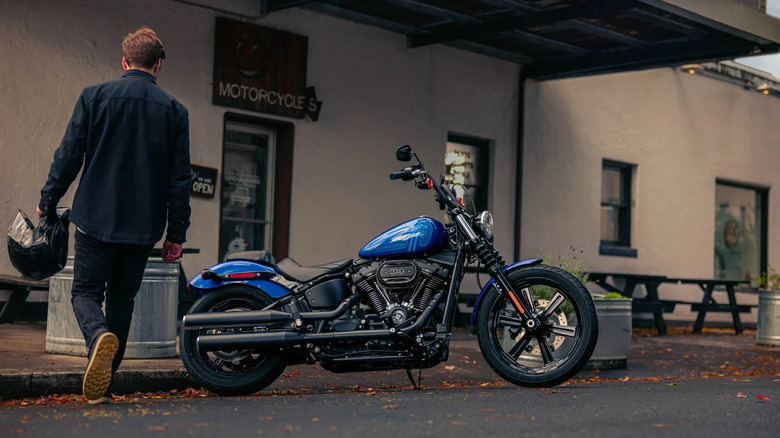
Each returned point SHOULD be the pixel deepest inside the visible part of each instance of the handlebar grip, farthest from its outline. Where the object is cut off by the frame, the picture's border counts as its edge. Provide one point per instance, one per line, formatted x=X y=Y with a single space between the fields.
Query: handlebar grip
x=398 y=175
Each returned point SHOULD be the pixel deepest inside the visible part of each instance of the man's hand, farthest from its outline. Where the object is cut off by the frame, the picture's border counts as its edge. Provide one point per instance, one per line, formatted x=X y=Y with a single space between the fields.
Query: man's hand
x=38 y=212
x=171 y=251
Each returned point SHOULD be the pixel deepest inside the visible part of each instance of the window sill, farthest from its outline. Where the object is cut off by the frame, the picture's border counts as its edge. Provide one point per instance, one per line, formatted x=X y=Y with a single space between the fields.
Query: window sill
x=614 y=250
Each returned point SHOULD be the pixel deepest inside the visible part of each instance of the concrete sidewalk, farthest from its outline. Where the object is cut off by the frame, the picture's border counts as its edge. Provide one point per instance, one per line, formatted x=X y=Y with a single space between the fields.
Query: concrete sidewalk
x=27 y=371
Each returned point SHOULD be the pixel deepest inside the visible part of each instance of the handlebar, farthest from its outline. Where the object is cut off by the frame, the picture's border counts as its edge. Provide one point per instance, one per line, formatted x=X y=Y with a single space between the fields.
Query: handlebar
x=404 y=175
x=443 y=195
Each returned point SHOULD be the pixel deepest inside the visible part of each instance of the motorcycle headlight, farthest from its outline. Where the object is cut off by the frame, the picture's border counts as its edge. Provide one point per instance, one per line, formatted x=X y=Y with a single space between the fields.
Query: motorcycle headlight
x=484 y=221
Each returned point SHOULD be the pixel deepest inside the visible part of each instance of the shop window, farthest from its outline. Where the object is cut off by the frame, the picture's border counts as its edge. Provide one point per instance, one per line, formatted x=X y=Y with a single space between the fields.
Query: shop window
x=740 y=231
x=247 y=188
x=467 y=168
x=616 y=204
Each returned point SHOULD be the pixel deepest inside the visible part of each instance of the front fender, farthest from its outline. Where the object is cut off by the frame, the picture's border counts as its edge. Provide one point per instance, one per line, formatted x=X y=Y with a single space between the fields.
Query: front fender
x=518 y=265
x=272 y=288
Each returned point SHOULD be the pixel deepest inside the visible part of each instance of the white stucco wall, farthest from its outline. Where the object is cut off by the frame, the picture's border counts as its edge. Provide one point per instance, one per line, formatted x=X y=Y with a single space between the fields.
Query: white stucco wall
x=377 y=95
x=682 y=131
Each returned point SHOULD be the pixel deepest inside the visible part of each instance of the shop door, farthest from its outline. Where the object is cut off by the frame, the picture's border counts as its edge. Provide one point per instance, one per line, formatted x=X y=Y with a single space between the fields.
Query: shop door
x=247 y=188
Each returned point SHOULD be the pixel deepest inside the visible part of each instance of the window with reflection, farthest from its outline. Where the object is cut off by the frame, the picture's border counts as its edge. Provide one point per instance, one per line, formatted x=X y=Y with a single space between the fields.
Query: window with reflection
x=466 y=162
x=740 y=231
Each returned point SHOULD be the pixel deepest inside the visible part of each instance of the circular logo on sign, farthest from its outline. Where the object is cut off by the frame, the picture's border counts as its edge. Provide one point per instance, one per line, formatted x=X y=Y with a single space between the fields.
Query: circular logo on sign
x=250 y=56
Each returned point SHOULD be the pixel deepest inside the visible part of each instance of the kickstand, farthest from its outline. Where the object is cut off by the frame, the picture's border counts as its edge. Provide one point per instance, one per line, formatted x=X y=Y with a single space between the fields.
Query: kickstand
x=418 y=384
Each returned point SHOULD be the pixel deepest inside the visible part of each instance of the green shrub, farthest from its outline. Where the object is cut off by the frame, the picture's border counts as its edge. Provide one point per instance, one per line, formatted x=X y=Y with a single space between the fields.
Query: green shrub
x=768 y=281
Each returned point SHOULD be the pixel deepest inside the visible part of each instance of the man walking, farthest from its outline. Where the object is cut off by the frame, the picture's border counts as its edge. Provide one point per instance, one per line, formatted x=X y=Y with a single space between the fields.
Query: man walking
x=133 y=141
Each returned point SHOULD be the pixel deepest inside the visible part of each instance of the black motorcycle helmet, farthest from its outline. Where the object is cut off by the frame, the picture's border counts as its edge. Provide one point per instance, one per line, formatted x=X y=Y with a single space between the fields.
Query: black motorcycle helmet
x=38 y=253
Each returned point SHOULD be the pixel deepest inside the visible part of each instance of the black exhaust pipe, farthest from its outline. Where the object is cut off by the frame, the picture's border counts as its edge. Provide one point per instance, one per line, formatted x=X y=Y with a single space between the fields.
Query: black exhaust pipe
x=243 y=341
x=217 y=320
x=251 y=317
x=254 y=340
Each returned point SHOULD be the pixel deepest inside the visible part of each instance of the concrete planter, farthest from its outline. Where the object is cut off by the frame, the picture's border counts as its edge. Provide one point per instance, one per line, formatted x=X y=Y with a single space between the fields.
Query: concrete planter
x=614 y=341
x=768 y=325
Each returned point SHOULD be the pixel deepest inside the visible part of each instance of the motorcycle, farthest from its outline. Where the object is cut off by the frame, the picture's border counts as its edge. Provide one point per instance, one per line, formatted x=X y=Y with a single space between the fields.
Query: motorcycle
x=391 y=308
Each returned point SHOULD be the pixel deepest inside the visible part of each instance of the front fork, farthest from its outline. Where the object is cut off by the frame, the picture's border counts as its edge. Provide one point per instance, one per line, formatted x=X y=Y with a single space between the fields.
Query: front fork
x=493 y=262
x=521 y=301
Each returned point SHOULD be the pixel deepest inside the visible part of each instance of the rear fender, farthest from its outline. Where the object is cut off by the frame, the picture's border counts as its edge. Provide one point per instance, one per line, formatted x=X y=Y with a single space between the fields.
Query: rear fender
x=270 y=287
x=519 y=265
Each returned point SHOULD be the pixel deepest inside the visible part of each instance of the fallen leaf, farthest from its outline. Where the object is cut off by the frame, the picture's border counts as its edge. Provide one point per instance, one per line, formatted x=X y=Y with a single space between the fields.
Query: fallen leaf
x=763 y=398
x=449 y=367
x=458 y=423
x=390 y=407
x=156 y=428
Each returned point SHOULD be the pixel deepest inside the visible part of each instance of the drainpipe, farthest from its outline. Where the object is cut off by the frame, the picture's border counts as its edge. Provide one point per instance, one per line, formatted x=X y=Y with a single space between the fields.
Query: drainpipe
x=519 y=161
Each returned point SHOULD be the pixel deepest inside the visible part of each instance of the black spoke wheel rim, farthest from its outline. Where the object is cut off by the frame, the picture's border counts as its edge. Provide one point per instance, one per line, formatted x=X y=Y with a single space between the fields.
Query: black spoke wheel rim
x=544 y=348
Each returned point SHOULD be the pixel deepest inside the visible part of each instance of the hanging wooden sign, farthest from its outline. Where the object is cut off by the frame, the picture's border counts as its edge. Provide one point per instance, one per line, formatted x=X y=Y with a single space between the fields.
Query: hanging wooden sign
x=261 y=69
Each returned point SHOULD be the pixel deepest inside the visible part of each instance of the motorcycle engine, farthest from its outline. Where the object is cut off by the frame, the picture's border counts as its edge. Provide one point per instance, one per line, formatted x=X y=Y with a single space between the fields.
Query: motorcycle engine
x=400 y=289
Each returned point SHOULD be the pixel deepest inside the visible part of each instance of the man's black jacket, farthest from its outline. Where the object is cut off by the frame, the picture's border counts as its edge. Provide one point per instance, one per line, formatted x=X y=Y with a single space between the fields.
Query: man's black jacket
x=133 y=141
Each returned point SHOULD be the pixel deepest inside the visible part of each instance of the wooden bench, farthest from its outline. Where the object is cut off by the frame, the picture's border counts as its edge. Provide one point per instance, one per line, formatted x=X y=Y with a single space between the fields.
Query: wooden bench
x=20 y=288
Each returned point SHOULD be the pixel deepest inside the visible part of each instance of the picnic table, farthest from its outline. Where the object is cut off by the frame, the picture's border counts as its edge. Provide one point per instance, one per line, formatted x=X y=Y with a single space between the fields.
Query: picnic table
x=651 y=303
x=708 y=303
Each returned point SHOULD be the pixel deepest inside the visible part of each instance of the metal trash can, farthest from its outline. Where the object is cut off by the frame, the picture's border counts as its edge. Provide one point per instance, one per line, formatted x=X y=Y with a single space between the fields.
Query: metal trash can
x=153 y=331
x=768 y=325
x=614 y=343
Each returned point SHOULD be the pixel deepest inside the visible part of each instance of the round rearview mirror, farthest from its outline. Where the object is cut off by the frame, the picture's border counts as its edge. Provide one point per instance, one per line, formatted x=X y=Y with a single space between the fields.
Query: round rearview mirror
x=404 y=153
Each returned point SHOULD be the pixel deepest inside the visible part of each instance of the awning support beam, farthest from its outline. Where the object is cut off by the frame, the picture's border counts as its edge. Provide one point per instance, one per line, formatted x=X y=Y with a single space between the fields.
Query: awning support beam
x=528 y=20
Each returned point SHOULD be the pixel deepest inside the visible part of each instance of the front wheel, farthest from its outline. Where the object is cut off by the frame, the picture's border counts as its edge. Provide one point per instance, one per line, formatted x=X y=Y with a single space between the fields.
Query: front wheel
x=237 y=372
x=558 y=347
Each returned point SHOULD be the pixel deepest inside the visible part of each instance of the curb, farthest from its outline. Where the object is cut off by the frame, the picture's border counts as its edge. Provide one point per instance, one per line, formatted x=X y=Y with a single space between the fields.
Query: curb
x=15 y=386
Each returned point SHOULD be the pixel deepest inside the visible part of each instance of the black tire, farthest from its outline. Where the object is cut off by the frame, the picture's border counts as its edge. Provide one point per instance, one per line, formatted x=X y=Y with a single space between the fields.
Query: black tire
x=516 y=354
x=230 y=372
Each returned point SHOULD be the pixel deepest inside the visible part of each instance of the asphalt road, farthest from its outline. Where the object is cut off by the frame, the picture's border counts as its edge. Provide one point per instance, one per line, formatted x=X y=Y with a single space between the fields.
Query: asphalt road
x=688 y=407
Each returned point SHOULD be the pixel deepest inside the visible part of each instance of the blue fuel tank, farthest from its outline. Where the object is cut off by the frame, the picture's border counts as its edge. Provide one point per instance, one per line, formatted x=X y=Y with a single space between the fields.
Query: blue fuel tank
x=422 y=234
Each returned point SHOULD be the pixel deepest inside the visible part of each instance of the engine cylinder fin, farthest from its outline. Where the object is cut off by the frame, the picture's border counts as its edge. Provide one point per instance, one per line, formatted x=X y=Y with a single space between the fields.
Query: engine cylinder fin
x=373 y=295
x=414 y=293
x=425 y=298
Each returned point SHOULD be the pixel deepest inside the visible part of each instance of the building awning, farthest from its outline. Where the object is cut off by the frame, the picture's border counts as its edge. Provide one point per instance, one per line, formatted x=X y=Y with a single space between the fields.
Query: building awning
x=565 y=38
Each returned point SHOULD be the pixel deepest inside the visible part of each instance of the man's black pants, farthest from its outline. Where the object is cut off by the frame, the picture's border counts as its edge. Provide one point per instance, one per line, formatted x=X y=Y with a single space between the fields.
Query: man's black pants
x=111 y=271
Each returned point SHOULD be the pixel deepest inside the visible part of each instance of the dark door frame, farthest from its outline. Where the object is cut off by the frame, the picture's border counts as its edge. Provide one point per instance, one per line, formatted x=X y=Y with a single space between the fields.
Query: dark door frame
x=285 y=140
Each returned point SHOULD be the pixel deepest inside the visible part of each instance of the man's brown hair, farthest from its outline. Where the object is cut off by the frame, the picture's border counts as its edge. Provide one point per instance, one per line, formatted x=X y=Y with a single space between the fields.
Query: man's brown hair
x=143 y=48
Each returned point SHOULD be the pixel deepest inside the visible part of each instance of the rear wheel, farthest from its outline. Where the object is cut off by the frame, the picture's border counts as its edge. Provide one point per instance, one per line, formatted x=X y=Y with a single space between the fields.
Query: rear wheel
x=236 y=372
x=553 y=351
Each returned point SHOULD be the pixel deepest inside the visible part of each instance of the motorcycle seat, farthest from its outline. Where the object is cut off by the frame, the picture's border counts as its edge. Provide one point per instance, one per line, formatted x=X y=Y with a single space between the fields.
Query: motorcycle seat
x=262 y=256
x=294 y=271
